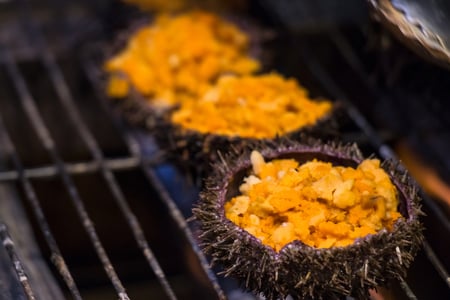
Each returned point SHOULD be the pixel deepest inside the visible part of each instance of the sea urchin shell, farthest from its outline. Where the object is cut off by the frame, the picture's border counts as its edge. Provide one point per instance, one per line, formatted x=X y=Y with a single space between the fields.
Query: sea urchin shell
x=298 y=270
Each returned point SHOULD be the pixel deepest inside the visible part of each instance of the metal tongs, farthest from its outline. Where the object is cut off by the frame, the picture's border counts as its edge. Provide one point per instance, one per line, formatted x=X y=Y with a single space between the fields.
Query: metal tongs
x=423 y=25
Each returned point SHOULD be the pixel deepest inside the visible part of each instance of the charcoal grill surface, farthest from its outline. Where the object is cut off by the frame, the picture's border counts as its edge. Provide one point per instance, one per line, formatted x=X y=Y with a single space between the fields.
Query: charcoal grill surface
x=89 y=208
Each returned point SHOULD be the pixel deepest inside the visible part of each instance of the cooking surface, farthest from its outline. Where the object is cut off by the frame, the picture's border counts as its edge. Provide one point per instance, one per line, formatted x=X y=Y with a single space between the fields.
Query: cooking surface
x=114 y=212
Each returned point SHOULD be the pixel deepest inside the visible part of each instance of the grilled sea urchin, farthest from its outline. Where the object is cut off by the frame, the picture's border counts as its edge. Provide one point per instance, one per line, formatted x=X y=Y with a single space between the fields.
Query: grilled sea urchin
x=176 y=57
x=240 y=110
x=299 y=270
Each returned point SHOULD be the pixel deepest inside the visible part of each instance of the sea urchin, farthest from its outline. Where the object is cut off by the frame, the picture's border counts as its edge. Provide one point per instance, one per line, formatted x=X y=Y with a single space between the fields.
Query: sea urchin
x=298 y=269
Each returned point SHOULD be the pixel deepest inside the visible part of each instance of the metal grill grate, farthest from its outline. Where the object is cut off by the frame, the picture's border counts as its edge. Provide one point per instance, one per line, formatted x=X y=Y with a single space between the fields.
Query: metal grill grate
x=106 y=167
x=24 y=176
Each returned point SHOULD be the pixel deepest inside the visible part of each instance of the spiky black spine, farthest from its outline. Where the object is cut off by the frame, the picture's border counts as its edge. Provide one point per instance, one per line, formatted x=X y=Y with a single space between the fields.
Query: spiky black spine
x=299 y=270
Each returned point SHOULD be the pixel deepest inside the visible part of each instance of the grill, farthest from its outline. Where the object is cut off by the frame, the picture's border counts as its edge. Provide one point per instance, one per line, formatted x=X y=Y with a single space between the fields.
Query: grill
x=89 y=209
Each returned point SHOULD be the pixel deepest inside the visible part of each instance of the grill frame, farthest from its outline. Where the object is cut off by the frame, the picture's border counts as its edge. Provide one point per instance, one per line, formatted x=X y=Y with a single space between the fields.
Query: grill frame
x=138 y=160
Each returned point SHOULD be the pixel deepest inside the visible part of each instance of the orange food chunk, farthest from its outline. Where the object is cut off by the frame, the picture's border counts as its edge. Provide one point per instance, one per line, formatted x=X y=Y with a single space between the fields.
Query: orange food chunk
x=255 y=106
x=179 y=57
x=316 y=203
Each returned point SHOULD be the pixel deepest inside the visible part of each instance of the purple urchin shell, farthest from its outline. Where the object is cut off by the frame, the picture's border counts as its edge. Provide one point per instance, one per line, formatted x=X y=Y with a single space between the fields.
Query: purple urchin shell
x=298 y=270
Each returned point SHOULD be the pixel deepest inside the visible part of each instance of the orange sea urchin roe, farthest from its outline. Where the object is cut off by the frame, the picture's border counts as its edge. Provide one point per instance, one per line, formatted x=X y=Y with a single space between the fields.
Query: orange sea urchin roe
x=259 y=106
x=317 y=203
x=179 y=56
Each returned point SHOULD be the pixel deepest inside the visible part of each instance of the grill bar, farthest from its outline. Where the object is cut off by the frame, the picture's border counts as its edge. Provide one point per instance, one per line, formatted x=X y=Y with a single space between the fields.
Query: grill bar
x=33 y=114
x=436 y=263
x=409 y=293
x=384 y=150
x=8 y=244
x=118 y=164
x=92 y=72
x=113 y=164
x=65 y=97
x=56 y=257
